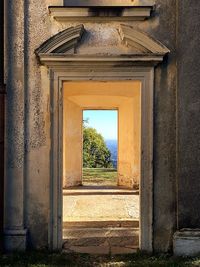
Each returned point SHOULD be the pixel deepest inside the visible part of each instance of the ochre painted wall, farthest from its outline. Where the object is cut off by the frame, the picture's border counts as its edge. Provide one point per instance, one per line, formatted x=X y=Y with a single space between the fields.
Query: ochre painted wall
x=72 y=144
x=130 y=140
x=123 y=96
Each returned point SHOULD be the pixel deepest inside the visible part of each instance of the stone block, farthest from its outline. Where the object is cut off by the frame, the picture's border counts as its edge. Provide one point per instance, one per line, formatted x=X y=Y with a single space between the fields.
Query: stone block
x=15 y=240
x=187 y=242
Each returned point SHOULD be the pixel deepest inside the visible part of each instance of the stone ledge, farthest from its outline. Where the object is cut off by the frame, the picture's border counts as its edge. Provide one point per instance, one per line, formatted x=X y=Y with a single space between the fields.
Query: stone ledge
x=96 y=14
x=187 y=242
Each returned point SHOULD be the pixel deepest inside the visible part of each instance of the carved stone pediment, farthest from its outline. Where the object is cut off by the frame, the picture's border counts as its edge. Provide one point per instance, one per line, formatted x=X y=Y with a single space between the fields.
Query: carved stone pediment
x=142 y=42
x=63 y=41
x=106 y=44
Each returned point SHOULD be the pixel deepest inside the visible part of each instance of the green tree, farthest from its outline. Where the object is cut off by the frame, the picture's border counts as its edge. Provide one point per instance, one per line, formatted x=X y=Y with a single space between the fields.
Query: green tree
x=95 y=152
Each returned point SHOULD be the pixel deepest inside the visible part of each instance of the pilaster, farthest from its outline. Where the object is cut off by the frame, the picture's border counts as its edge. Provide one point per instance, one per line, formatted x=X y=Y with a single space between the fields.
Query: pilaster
x=14 y=229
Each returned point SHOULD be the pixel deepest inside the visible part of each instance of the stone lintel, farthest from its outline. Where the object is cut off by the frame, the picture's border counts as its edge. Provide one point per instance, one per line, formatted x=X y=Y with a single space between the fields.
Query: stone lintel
x=187 y=242
x=15 y=239
x=52 y=60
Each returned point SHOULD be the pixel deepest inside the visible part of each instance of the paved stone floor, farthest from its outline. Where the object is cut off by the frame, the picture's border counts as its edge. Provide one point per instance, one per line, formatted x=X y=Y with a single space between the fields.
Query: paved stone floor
x=100 y=204
x=100 y=220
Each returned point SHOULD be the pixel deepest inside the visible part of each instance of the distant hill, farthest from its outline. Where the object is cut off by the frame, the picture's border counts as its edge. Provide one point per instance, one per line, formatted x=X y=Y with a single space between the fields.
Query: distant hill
x=112 y=146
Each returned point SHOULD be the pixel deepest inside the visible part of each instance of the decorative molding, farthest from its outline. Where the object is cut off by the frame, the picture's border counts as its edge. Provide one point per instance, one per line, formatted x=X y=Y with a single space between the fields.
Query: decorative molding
x=62 y=42
x=102 y=10
x=141 y=41
x=59 y=60
x=57 y=51
x=64 y=14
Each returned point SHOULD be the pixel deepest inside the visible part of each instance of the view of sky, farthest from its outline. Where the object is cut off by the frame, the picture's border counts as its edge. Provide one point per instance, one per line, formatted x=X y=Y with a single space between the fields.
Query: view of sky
x=104 y=121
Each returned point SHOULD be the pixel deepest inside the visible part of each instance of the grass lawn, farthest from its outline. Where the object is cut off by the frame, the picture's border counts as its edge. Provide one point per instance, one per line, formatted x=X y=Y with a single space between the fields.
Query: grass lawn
x=45 y=259
x=99 y=176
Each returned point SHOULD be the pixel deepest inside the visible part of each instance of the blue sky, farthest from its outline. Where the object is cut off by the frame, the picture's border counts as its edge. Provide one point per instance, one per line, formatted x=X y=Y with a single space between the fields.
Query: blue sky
x=104 y=121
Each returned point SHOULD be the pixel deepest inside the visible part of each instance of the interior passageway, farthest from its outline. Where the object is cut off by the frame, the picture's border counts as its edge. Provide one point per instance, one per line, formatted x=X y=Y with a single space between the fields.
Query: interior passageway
x=99 y=218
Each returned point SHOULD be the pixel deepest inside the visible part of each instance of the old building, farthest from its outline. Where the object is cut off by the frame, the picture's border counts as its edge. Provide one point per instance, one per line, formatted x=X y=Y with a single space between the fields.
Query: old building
x=51 y=45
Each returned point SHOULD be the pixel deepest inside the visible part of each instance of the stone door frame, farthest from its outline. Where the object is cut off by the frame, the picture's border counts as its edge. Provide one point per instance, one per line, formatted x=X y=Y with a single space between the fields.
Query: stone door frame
x=101 y=71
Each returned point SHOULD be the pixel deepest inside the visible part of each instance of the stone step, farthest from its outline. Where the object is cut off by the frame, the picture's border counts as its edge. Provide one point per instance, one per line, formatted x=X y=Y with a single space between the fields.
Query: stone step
x=92 y=190
x=101 y=224
x=120 y=240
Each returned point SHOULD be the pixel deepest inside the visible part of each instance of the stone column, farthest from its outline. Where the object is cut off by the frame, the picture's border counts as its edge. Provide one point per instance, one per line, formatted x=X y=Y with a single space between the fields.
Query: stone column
x=14 y=230
x=2 y=95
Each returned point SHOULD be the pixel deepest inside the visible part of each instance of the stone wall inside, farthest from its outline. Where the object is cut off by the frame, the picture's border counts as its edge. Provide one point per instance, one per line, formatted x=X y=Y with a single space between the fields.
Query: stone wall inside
x=39 y=26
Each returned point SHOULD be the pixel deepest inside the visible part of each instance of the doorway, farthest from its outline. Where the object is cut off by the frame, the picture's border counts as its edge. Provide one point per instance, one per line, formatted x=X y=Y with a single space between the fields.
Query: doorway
x=104 y=212
x=62 y=84
x=100 y=148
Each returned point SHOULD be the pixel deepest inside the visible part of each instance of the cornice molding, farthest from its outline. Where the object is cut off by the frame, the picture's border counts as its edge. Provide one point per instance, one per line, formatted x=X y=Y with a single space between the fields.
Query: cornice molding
x=81 y=14
x=102 y=10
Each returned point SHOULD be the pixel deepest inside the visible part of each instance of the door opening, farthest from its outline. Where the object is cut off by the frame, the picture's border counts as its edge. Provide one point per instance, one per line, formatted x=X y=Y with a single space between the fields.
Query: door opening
x=101 y=202
x=100 y=147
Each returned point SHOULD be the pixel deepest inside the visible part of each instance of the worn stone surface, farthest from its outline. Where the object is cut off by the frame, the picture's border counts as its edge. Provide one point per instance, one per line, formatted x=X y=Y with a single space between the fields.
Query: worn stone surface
x=187 y=242
x=163 y=27
x=108 y=208
x=15 y=240
x=101 y=240
x=14 y=182
x=188 y=97
x=101 y=224
x=100 y=207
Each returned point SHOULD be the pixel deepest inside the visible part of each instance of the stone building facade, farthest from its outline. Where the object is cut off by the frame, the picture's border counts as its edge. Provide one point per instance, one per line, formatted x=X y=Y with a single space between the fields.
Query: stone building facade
x=155 y=40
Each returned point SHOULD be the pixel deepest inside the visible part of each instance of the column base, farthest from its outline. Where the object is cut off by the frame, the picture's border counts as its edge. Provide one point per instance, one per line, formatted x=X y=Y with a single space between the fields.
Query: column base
x=187 y=242
x=15 y=240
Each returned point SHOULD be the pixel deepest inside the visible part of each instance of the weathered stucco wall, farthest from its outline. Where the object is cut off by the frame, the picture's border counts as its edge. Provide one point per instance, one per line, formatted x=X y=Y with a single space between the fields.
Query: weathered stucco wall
x=163 y=27
x=188 y=98
x=39 y=26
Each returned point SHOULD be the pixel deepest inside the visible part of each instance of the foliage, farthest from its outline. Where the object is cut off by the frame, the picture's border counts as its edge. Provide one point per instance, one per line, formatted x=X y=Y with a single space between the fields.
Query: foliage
x=95 y=152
